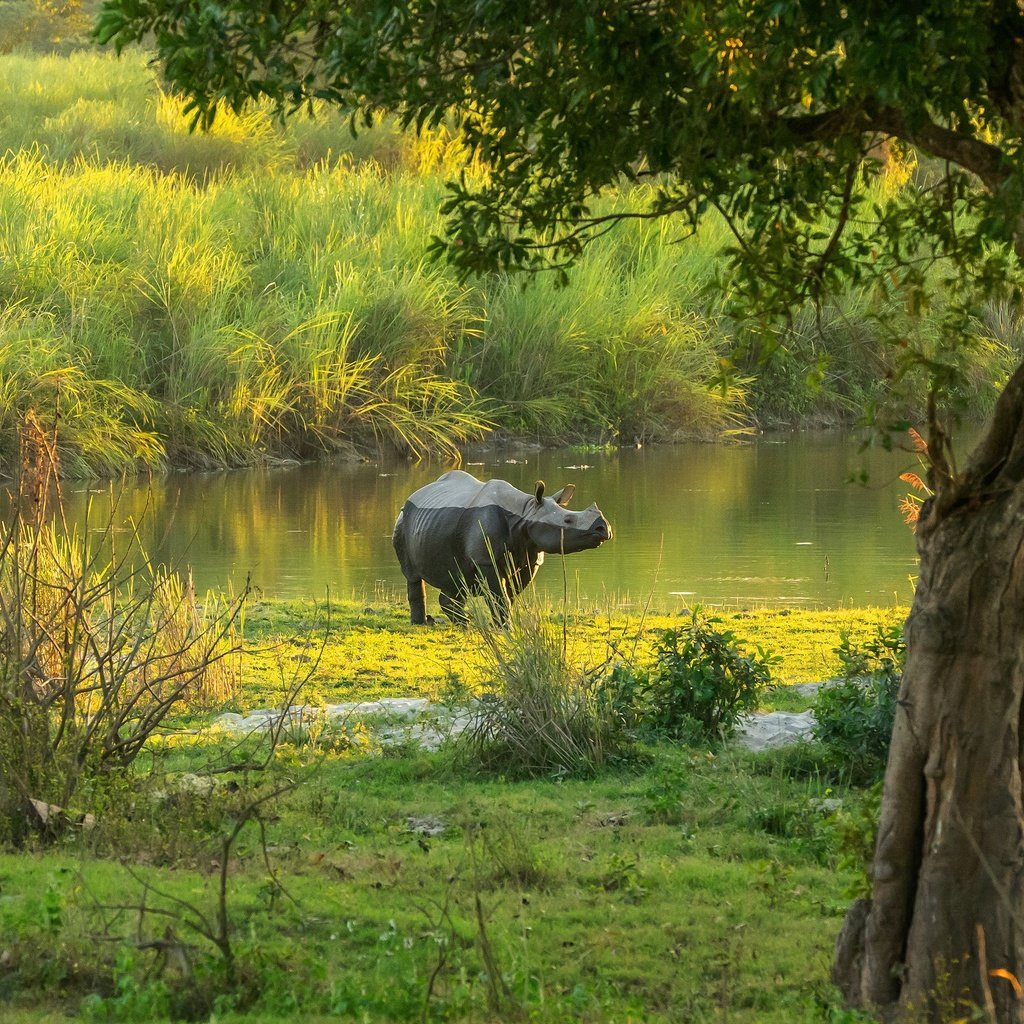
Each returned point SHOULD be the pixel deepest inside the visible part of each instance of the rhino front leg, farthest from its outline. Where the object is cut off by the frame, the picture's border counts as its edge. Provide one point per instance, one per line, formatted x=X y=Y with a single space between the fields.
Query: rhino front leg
x=454 y=608
x=417 y=591
x=499 y=597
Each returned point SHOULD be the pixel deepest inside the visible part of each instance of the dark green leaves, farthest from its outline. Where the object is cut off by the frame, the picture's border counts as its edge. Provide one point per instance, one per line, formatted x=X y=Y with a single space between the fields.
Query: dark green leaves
x=777 y=116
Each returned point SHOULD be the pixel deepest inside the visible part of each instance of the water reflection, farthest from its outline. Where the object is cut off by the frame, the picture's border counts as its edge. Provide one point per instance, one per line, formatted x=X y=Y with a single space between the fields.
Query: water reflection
x=766 y=523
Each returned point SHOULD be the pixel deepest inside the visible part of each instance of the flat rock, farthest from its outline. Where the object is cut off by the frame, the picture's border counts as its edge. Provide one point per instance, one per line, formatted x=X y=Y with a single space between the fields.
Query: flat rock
x=774 y=729
x=403 y=719
x=417 y=720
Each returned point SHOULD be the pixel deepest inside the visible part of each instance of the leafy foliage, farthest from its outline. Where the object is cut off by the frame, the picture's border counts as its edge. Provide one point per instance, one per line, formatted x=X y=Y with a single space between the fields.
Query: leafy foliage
x=815 y=85
x=854 y=717
x=855 y=828
x=912 y=502
x=701 y=684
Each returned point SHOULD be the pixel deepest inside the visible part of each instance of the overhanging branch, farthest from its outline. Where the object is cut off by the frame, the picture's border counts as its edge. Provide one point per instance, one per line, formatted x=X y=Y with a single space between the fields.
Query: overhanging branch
x=981 y=158
x=972 y=154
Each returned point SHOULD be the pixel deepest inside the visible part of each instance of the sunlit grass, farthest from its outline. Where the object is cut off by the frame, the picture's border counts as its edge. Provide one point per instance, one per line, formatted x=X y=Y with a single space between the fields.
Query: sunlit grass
x=371 y=651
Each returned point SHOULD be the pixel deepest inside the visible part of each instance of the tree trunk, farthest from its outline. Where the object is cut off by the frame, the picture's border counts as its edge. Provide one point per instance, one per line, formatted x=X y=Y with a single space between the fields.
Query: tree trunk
x=947 y=908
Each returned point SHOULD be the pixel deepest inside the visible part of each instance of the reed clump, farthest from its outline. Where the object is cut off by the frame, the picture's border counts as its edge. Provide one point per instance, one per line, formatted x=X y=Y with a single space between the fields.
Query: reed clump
x=544 y=714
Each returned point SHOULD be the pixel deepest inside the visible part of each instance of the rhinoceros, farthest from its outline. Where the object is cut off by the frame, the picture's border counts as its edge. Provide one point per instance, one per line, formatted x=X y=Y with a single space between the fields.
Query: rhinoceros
x=463 y=535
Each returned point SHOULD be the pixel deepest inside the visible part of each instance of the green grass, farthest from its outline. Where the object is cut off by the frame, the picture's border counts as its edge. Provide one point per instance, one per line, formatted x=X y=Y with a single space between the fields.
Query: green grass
x=681 y=885
x=373 y=652
x=599 y=903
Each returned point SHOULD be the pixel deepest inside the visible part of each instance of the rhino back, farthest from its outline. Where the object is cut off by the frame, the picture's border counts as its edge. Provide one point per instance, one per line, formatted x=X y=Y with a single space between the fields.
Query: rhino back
x=450 y=527
x=459 y=489
x=454 y=489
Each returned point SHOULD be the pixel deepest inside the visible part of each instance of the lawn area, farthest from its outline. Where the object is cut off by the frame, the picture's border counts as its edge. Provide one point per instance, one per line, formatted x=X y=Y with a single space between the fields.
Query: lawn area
x=336 y=877
x=370 y=652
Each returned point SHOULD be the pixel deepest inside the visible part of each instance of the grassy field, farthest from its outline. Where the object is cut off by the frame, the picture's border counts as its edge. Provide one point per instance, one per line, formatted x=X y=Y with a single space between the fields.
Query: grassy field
x=366 y=652
x=695 y=888
x=351 y=877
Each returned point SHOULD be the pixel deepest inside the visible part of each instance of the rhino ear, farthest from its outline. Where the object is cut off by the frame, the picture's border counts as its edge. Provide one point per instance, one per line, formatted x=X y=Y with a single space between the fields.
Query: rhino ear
x=564 y=496
x=540 y=491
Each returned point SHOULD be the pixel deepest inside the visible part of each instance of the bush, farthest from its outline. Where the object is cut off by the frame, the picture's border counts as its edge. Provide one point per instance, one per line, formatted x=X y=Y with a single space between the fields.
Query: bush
x=97 y=647
x=545 y=716
x=702 y=684
x=855 y=836
x=854 y=717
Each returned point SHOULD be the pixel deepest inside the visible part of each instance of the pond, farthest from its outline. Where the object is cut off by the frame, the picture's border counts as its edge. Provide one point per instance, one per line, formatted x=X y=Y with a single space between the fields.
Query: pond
x=771 y=522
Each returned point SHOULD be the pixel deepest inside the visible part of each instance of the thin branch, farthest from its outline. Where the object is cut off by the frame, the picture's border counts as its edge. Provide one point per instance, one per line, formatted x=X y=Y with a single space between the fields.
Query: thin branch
x=817 y=270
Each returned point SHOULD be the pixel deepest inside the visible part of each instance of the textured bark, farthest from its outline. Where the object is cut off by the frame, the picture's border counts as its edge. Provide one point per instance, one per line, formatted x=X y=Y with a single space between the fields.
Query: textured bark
x=949 y=865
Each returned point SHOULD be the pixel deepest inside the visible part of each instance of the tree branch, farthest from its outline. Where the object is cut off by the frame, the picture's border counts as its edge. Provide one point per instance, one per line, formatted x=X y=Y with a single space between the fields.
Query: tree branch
x=981 y=158
x=817 y=270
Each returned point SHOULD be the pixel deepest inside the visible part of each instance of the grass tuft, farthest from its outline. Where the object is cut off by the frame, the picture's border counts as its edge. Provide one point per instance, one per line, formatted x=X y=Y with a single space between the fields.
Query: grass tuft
x=543 y=714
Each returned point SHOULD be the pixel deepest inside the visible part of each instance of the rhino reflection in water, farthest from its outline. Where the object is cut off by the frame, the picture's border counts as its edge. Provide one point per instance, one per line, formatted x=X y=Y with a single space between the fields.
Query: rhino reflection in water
x=462 y=535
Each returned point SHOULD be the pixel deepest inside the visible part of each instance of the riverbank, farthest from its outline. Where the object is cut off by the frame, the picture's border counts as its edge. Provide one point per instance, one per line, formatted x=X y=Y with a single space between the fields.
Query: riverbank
x=359 y=876
x=370 y=651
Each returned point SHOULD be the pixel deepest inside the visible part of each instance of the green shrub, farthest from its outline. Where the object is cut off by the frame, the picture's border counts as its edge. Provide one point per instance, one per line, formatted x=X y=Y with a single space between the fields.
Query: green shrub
x=854 y=717
x=663 y=799
x=855 y=835
x=702 y=683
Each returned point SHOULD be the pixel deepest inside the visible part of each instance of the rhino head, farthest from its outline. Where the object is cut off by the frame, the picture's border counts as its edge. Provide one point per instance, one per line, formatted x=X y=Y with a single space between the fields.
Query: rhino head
x=555 y=529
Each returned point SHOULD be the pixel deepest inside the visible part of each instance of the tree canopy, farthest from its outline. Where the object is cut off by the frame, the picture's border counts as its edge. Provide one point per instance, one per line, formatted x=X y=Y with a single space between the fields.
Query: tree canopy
x=767 y=112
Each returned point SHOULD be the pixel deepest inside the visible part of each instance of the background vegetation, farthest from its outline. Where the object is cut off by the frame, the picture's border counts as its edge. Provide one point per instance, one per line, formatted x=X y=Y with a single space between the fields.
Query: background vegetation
x=262 y=292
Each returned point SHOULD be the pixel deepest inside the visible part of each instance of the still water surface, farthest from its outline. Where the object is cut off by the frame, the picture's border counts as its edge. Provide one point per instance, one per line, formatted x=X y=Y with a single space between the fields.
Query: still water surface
x=774 y=522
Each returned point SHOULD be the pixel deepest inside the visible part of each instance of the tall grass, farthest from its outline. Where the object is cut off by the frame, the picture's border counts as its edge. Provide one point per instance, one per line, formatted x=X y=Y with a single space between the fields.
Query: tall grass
x=261 y=292
x=545 y=714
x=236 y=320
x=636 y=323
x=833 y=363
